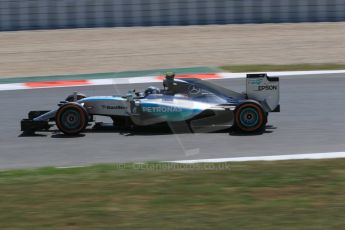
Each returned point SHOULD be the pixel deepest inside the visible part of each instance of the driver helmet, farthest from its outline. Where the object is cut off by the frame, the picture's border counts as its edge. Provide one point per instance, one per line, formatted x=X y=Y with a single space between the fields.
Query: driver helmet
x=152 y=90
x=169 y=80
x=170 y=75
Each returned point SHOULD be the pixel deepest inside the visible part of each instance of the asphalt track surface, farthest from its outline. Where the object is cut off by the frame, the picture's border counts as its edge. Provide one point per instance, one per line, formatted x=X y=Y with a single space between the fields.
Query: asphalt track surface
x=311 y=121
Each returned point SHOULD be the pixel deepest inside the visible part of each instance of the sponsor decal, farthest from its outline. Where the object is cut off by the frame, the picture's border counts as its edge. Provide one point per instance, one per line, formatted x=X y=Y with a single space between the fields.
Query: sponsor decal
x=113 y=107
x=193 y=90
x=257 y=81
x=267 y=87
x=161 y=109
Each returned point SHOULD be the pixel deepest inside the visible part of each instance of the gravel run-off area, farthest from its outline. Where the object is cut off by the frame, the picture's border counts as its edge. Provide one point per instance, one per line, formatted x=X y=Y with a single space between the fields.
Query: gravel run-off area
x=75 y=51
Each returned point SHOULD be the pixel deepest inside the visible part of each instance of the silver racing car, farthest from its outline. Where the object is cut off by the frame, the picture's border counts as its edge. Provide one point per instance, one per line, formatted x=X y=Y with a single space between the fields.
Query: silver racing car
x=199 y=104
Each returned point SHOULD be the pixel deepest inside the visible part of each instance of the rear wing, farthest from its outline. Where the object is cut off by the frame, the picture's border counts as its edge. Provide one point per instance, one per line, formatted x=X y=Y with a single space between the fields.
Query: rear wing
x=265 y=90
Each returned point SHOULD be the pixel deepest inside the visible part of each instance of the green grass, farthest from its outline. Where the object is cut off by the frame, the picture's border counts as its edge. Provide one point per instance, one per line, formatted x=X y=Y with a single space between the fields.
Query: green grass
x=296 y=67
x=257 y=195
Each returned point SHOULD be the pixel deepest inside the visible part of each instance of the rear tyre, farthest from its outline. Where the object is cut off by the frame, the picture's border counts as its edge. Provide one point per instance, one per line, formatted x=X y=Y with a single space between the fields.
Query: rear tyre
x=250 y=117
x=71 y=119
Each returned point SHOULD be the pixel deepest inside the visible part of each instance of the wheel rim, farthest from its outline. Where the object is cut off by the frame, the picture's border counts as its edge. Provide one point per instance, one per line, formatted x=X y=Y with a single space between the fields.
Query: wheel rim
x=249 y=117
x=70 y=119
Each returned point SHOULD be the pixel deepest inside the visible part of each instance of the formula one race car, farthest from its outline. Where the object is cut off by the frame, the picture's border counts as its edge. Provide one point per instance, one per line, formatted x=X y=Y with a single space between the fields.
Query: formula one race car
x=200 y=104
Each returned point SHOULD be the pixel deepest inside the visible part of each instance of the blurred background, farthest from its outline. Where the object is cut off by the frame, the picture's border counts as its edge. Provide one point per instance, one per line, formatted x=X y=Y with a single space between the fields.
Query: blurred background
x=52 y=14
x=125 y=35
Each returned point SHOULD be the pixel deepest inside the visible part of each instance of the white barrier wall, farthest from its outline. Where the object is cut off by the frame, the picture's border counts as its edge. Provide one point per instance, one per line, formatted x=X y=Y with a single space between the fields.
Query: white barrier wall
x=52 y=14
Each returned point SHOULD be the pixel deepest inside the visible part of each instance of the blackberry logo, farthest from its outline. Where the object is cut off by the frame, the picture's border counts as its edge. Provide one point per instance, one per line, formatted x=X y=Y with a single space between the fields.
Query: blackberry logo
x=113 y=107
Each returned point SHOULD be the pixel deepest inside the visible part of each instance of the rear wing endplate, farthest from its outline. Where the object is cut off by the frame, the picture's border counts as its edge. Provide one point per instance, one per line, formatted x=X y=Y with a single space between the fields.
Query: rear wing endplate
x=265 y=90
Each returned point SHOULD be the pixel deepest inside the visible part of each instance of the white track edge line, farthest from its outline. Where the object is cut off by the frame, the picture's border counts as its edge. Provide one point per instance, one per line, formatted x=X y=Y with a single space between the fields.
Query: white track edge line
x=72 y=166
x=306 y=156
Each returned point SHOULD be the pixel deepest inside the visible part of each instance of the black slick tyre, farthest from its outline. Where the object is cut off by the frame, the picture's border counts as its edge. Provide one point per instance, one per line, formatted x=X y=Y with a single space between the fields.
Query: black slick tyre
x=250 y=117
x=71 y=119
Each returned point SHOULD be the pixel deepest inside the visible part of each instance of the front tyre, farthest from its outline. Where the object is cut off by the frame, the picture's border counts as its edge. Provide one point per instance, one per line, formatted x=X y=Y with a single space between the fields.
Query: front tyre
x=250 y=117
x=71 y=119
